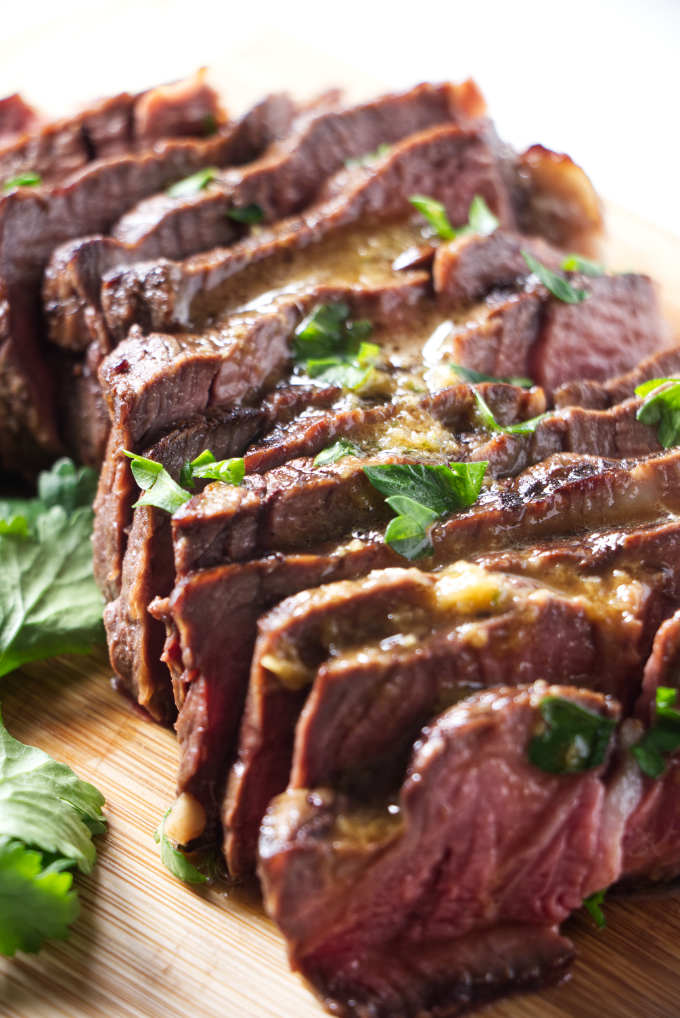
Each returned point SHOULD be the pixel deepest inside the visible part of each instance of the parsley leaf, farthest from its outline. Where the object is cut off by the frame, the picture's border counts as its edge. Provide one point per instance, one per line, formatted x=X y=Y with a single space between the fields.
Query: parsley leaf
x=661 y=408
x=47 y=819
x=174 y=860
x=193 y=184
x=49 y=603
x=488 y=420
x=333 y=349
x=593 y=904
x=158 y=487
x=27 y=179
x=45 y=805
x=249 y=214
x=558 y=285
x=474 y=377
x=662 y=737
x=161 y=491
x=369 y=157
x=572 y=738
x=37 y=903
x=576 y=263
x=420 y=494
x=481 y=219
x=343 y=447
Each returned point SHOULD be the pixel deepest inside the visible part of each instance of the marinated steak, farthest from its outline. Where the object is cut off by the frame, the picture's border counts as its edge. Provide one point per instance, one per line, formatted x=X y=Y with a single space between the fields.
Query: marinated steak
x=430 y=876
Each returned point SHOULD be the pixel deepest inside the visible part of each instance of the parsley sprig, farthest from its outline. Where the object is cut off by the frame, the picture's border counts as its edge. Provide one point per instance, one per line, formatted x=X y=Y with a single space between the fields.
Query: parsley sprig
x=27 y=179
x=332 y=348
x=661 y=408
x=475 y=377
x=559 y=286
x=488 y=421
x=593 y=905
x=160 y=490
x=194 y=183
x=421 y=494
x=572 y=739
x=481 y=219
x=663 y=736
x=343 y=447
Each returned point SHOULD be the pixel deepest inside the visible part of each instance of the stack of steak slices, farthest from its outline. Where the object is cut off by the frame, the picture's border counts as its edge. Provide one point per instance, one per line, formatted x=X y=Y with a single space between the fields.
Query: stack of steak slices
x=302 y=652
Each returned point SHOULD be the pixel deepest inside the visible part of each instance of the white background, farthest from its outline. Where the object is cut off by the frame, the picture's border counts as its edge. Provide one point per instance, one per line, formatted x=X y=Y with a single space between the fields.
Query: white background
x=599 y=79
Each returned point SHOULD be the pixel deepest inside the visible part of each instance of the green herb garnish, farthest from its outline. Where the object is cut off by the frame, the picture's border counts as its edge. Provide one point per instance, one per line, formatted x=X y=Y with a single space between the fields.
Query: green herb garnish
x=49 y=602
x=572 y=738
x=343 y=447
x=481 y=219
x=663 y=736
x=162 y=492
x=174 y=860
x=474 y=377
x=249 y=214
x=48 y=817
x=369 y=157
x=193 y=184
x=593 y=904
x=333 y=349
x=489 y=422
x=661 y=408
x=209 y=124
x=558 y=285
x=421 y=494
x=27 y=179
x=576 y=263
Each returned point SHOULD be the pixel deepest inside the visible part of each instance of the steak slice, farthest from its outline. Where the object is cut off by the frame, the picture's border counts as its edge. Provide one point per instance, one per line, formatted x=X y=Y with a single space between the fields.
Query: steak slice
x=74 y=271
x=370 y=686
x=289 y=175
x=354 y=888
x=211 y=615
x=109 y=127
x=452 y=162
x=599 y=395
x=16 y=117
x=135 y=639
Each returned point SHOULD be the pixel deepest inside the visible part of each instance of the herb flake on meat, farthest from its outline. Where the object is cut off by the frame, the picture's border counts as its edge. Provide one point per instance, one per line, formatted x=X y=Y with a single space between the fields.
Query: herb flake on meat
x=663 y=736
x=488 y=421
x=248 y=214
x=475 y=377
x=557 y=285
x=572 y=739
x=27 y=179
x=163 y=492
x=332 y=348
x=481 y=219
x=661 y=408
x=577 y=263
x=343 y=447
x=593 y=905
x=420 y=494
x=193 y=184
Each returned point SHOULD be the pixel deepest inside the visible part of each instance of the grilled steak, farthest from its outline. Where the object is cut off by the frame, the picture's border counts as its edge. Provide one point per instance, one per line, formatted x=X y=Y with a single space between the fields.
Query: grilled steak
x=437 y=879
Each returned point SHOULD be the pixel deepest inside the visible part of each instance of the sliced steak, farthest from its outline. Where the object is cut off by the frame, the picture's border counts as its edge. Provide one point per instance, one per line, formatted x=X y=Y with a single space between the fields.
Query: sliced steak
x=288 y=176
x=147 y=569
x=375 y=676
x=435 y=875
x=451 y=162
x=599 y=395
x=74 y=272
x=16 y=117
x=110 y=127
x=212 y=614
x=610 y=332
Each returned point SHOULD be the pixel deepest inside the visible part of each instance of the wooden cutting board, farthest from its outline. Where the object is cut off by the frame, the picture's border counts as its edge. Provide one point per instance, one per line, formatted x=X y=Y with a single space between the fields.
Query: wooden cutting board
x=146 y=946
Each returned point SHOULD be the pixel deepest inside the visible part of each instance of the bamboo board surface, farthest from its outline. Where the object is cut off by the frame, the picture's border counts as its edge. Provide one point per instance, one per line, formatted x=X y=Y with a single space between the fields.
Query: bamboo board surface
x=146 y=946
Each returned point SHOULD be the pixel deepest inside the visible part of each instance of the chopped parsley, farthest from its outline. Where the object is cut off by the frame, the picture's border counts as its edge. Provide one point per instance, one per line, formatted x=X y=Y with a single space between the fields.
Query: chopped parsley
x=593 y=905
x=174 y=860
x=661 y=408
x=576 y=263
x=420 y=495
x=663 y=736
x=193 y=184
x=248 y=214
x=481 y=219
x=343 y=447
x=474 y=377
x=571 y=739
x=163 y=492
x=558 y=285
x=332 y=348
x=369 y=157
x=489 y=422
x=27 y=179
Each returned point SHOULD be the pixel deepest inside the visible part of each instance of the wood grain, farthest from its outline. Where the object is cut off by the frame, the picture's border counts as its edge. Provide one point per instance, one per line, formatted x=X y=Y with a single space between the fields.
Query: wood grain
x=145 y=946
